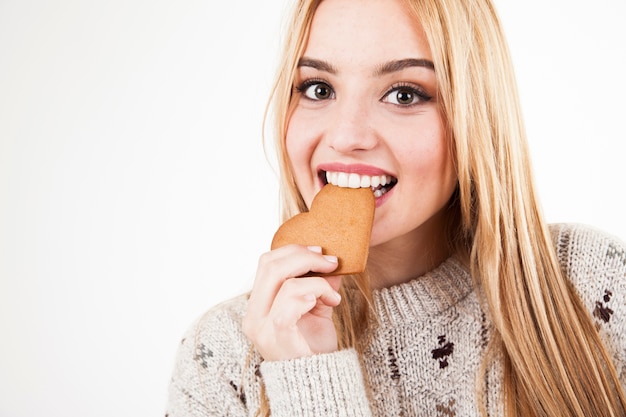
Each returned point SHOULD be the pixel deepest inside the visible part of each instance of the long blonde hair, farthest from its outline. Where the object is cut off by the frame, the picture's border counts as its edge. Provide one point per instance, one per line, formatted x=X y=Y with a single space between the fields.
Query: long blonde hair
x=560 y=366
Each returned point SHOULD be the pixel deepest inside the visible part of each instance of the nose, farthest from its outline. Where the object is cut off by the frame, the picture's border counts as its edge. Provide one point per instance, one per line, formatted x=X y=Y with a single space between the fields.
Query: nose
x=350 y=128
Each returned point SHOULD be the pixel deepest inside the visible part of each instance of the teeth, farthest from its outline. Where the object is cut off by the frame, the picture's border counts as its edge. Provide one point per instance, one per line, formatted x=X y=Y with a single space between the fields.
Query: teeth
x=352 y=180
x=331 y=177
x=342 y=179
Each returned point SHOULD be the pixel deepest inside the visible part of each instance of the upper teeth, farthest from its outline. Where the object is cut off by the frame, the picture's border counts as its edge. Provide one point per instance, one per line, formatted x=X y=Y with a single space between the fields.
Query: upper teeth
x=352 y=180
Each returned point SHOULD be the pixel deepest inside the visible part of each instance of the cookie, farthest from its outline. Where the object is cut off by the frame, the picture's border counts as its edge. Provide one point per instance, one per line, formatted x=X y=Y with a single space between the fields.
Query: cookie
x=340 y=221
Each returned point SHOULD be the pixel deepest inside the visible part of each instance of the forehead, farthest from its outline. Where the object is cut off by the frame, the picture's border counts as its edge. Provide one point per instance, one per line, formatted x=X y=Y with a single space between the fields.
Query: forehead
x=364 y=31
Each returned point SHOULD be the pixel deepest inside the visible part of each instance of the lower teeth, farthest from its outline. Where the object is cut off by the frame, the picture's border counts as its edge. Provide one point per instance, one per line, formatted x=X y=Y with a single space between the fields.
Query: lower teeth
x=379 y=192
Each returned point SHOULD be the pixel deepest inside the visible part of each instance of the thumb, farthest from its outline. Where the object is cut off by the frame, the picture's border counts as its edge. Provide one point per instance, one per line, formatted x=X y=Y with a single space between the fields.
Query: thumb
x=334 y=281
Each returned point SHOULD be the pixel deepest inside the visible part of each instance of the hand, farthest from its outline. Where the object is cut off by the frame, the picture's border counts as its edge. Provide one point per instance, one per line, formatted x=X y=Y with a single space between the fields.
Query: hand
x=291 y=317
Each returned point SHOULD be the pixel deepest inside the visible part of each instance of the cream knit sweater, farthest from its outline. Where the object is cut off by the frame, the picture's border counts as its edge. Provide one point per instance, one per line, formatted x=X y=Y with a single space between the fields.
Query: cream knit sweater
x=421 y=361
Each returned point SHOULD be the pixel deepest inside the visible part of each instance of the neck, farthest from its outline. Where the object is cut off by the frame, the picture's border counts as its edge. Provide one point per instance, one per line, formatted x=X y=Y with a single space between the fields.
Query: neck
x=409 y=256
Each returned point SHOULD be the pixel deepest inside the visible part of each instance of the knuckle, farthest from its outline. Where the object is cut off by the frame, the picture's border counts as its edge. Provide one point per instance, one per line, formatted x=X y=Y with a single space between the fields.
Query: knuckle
x=264 y=260
x=289 y=285
x=280 y=322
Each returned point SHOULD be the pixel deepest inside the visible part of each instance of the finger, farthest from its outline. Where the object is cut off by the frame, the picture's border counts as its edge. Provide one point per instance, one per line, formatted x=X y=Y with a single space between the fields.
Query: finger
x=334 y=281
x=280 y=264
x=297 y=297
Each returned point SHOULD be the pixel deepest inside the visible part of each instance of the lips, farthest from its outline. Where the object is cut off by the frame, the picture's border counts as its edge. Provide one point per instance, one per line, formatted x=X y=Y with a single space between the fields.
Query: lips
x=380 y=184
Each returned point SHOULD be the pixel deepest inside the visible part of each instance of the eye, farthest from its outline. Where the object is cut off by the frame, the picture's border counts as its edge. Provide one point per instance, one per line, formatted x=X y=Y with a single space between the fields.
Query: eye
x=405 y=95
x=316 y=90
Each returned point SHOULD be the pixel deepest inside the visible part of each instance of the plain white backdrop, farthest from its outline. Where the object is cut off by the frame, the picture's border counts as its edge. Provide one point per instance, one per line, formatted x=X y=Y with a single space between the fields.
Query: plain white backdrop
x=135 y=194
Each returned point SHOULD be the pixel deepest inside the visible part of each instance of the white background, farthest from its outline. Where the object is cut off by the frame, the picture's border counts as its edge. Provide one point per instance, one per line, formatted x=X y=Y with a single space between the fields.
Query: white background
x=134 y=192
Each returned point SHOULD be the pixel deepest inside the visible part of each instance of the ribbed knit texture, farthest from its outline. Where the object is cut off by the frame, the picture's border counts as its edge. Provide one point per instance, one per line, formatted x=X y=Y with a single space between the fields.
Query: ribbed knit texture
x=422 y=358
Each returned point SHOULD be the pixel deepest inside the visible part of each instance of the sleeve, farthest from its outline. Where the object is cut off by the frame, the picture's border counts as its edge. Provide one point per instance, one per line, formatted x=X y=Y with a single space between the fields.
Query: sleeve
x=217 y=373
x=207 y=374
x=329 y=385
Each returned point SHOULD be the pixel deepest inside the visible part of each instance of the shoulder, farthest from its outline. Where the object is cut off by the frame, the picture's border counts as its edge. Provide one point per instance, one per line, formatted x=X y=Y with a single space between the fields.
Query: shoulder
x=589 y=256
x=595 y=263
x=212 y=357
x=218 y=331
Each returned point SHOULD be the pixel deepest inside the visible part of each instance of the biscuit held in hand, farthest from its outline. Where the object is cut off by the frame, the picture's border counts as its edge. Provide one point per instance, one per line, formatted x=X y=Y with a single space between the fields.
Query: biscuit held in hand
x=340 y=221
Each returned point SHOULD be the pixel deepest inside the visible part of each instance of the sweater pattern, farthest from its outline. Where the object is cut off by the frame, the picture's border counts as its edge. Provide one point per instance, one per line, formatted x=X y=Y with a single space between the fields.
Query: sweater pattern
x=421 y=359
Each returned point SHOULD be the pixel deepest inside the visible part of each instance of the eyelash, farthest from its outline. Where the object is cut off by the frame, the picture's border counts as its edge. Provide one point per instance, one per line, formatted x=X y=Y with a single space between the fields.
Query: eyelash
x=418 y=93
x=305 y=85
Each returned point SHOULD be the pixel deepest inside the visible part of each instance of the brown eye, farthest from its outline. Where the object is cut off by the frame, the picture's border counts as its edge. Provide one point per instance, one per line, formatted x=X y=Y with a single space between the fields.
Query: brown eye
x=406 y=96
x=316 y=91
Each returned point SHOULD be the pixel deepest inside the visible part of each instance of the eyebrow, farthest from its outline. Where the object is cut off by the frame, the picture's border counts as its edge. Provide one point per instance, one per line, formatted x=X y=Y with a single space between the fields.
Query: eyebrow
x=386 y=68
x=399 y=65
x=317 y=64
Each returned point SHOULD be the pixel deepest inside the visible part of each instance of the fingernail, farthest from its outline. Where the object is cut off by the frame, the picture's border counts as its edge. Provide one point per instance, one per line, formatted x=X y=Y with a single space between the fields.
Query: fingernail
x=338 y=296
x=316 y=249
x=331 y=258
x=309 y=297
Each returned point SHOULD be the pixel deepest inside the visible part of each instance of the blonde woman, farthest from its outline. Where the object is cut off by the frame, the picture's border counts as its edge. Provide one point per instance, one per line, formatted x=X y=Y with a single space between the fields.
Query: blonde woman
x=471 y=305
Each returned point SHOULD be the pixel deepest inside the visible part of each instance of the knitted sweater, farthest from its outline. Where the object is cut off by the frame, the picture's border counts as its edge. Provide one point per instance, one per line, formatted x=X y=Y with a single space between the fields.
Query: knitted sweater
x=422 y=360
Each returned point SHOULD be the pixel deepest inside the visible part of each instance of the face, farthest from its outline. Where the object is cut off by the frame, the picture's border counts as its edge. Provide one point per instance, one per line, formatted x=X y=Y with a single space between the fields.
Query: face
x=365 y=113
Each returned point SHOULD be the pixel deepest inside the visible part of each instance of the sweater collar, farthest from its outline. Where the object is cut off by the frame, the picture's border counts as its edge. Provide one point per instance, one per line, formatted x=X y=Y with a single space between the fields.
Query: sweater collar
x=423 y=297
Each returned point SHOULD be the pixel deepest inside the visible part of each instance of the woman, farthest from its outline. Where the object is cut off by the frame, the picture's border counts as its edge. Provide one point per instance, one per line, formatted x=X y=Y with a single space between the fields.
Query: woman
x=471 y=304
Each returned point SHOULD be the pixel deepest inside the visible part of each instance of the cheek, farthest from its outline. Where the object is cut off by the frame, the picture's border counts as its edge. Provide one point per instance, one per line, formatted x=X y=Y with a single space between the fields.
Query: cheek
x=300 y=144
x=294 y=136
x=296 y=147
x=440 y=159
x=429 y=161
x=427 y=149
x=302 y=136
